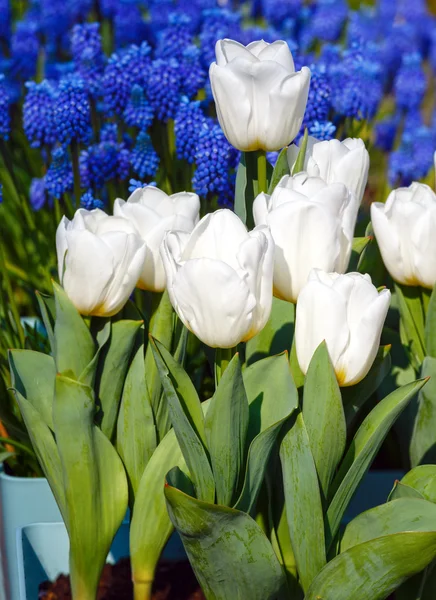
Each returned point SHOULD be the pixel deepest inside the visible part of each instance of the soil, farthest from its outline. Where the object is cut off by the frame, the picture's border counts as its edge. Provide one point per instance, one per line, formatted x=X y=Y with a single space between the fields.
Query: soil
x=174 y=581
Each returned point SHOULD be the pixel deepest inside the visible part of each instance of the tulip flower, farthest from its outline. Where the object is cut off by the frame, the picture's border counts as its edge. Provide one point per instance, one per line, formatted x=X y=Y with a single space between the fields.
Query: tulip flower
x=405 y=229
x=100 y=259
x=305 y=217
x=153 y=213
x=219 y=278
x=348 y=313
x=260 y=99
x=346 y=162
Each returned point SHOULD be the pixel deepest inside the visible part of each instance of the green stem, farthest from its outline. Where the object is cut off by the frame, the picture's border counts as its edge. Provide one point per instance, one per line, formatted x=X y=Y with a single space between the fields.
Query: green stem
x=142 y=590
x=12 y=303
x=262 y=182
x=76 y=171
x=223 y=356
x=301 y=158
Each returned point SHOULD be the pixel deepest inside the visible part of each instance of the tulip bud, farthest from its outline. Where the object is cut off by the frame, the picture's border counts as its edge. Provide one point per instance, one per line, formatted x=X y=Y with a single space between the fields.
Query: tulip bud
x=219 y=278
x=260 y=99
x=153 y=213
x=100 y=259
x=345 y=162
x=305 y=217
x=405 y=229
x=348 y=313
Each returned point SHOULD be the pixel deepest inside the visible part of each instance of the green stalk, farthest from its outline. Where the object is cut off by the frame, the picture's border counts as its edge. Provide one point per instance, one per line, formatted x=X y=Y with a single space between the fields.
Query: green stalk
x=299 y=163
x=12 y=303
x=76 y=171
x=15 y=444
x=223 y=356
x=262 y=182
x=142 y=590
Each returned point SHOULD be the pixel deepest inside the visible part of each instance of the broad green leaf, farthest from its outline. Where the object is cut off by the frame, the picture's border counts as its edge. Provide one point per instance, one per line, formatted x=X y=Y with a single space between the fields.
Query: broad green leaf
x=404 y=491
x=89 y=373
x=374 y=569
x=136 y=431
x=150 y=526
x=74 y=346
x=111 y=373
x=412 y=321
x=303 y=502
x=161 y=328
x=94 y=482
x=422 y=479
x=423 y=441
x=355 y=396
x=430 y=324
x=281 y=168
x=403 y=514
x=187 y=419
x=230 y=554
x=272 y=397
x=362 y=451
x=324 y=417
x=276 y=336
x=44 y=444
x=226 y=427
x=33 y=375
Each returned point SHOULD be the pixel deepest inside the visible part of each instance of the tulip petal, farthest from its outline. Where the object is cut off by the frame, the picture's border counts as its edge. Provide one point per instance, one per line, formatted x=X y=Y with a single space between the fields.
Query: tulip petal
x=388 y=242
x=88 y=271
x=278 y=51
x=365 y=334
x=229 y=50
x=260 y=209
x=213 y=302
x=61 y=245
x=423 y=239
x=321 y=314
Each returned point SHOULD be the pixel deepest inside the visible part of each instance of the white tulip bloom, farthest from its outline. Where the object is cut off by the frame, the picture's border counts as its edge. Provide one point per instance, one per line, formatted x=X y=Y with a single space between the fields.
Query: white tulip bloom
x=100 y=259
x=348 y=313
x=260 y=99
x=219 y=278
x=305 y=217
x=345 y=162
x=153 y=213
x=405 y=229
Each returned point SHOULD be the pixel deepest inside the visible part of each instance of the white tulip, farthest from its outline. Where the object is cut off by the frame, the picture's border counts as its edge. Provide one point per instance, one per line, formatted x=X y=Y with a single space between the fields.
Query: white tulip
x=305 y=217
x=100 y=259
x=260 y=99
x=348 y=313
x=405 y=229
x=219 y=278
x=346 y=162
x=153 y=213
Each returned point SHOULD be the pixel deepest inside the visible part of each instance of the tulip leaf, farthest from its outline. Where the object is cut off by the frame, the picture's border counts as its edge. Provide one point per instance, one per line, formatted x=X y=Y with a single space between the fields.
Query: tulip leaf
x=297 y=373
x=404 y=491
x=362 y=451
x=412 y=321
x=74 y=346
x=226 y=425
x=323 y=415
x=187 y=419
x=422 y=479
x=281 y=168
x=423 y=441
x=354 y=397
x=230 y=554
x=430 y=324
x=111 y=372
x=246 y=187
x=303 y=502
x=276 y=336
x=272 y=397
x=301 y=158
x=370 y=260
x=404 y=514
x=375 y=568
x=150 y=526
x=358 y=246
x=102 y=336
x=46 y=451
x=161 y=327
x=94 y=482
x=136 y=431
x=33 y=376
x=240 y=190
x=48 y=312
